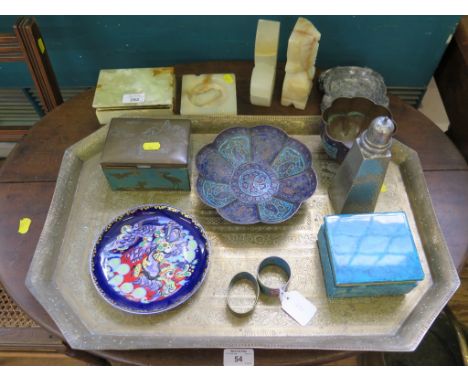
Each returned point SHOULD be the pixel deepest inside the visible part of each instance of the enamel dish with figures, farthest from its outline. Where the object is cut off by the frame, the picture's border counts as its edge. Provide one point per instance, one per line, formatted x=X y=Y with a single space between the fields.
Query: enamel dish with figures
x=150 y=259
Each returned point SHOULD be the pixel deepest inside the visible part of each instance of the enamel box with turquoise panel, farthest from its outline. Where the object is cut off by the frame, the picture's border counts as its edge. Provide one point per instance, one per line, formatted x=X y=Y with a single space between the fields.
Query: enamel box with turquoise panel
x=147 y=154
x=253 y=175
x=368 y=255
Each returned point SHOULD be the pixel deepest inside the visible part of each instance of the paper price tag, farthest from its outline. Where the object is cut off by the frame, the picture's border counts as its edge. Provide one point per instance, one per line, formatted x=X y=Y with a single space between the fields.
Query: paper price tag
x=151 y=146
x=297 y=306
x=238 y=357
x=228 y=78
x=24 y=225
x=41 y=45
x=133 y=98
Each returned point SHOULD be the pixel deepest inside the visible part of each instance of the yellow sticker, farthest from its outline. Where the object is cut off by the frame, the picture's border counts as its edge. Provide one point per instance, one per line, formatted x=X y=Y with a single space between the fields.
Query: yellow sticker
x=24 y=224
x=151 y=146
x=384 y=188
x=229 y=78
x=41 y=45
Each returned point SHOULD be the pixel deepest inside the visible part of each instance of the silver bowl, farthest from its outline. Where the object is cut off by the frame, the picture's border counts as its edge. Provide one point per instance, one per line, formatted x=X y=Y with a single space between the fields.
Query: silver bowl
x=350 y=82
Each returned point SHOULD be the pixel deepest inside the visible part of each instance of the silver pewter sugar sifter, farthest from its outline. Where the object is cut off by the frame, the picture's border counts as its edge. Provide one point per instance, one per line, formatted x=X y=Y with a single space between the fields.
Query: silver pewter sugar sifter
x=357 y=183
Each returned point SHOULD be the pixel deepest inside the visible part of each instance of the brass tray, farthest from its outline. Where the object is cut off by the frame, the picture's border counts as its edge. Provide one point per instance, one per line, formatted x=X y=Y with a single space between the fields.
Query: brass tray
x=83 y=203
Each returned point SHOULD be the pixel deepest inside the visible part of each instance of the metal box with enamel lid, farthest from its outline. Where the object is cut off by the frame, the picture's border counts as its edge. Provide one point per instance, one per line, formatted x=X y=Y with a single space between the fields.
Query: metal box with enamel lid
x=147 y=154
x=368 y=255
x=145 y=92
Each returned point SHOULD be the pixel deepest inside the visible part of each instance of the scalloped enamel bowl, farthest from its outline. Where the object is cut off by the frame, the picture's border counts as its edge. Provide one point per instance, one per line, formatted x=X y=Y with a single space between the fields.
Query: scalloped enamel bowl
x=252 y=175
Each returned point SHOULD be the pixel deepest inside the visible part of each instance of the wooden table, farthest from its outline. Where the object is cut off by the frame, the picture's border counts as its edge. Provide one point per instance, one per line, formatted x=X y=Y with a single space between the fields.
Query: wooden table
x=27 y=182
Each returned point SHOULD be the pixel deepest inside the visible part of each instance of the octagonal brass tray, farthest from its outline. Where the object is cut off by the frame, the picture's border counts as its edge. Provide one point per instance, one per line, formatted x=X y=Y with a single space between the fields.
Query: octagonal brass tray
x=83 y=202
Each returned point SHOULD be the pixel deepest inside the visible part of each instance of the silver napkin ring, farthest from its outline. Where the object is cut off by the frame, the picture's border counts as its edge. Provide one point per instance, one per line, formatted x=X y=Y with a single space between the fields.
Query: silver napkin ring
x=253 y=281
x=280 y=263
x=258 y=285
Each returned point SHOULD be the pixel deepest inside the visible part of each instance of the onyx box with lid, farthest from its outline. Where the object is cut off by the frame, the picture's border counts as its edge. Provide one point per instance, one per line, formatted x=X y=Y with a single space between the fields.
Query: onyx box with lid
x=367 y=255
x=144 y=92
x=147 y=154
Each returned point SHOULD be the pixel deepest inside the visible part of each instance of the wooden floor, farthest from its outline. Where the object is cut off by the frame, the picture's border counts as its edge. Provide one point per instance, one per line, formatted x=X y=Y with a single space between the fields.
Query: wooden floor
x=37 y=359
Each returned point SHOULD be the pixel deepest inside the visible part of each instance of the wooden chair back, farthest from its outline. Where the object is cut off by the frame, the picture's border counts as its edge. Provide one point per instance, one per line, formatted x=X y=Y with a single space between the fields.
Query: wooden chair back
x=26 y=44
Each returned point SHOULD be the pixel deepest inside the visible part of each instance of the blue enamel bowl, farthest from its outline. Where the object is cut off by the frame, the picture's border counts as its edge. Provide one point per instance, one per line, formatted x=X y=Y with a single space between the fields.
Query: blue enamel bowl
x=150 y=259
x=252 y=175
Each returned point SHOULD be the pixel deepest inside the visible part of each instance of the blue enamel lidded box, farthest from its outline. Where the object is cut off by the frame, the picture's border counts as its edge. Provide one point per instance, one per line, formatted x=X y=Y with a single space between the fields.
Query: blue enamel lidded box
x=368 y=255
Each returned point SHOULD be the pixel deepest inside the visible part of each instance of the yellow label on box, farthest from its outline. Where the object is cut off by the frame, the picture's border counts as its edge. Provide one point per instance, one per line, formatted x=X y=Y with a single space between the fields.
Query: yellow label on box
x=24 y=225
x=228 y=78
x=151 y=146
x=384 y=188
x=41 y=45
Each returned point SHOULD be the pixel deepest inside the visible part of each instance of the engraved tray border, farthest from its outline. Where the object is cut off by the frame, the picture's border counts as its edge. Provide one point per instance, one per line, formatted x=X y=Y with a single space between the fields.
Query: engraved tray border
x=42 y=284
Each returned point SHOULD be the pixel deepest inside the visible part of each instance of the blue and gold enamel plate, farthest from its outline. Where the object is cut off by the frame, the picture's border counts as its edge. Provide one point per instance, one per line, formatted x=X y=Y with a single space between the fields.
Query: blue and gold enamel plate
x=150 y=259
x=256 y=174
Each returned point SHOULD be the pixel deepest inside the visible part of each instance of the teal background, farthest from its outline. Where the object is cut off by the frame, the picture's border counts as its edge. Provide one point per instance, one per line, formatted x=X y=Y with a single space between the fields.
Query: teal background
x=404 y=49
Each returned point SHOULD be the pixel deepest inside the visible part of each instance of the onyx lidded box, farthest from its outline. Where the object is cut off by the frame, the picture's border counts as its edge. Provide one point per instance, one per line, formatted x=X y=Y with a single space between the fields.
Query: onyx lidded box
x=144 y=92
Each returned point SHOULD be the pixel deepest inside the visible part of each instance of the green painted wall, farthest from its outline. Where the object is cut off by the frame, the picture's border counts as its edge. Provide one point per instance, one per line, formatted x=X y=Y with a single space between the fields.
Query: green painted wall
x=404 y=49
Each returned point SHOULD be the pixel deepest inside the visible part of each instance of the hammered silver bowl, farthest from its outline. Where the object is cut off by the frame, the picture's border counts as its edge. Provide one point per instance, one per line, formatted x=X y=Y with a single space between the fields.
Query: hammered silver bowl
x=351 y=82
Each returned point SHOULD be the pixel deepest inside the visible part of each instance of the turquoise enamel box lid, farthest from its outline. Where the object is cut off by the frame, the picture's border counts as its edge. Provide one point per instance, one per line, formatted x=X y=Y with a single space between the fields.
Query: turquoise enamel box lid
x=375 y=251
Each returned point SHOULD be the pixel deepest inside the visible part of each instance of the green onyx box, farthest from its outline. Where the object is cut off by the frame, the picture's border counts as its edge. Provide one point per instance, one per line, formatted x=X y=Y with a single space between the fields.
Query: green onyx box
x=147 y=154
x=142 y=92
